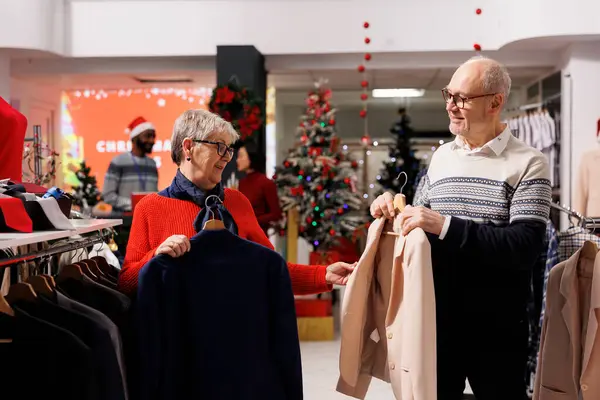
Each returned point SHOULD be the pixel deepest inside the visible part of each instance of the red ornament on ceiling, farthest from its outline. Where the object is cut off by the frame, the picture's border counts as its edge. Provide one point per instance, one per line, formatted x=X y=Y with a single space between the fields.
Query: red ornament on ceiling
x=364 y=97
x=367 y=40
x=361 y=68
x=366 y=25
x=365 y=139
x=363 y=113
x=368 y=56
x=364 y=84
x=477 y=47
x=478 y=11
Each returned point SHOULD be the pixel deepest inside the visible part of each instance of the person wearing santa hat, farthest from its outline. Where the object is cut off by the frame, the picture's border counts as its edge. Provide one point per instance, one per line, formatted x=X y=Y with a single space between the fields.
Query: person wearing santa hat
x=134 y=171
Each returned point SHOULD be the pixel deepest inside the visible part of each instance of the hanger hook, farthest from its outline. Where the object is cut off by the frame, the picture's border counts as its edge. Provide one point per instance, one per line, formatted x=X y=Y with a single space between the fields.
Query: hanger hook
x=212 y=195
x=405 y=180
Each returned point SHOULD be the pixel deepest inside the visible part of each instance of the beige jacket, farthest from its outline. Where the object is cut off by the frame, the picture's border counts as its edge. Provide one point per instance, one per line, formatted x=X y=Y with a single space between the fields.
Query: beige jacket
x=587 y=190
x=388 y=317
x=569 y=357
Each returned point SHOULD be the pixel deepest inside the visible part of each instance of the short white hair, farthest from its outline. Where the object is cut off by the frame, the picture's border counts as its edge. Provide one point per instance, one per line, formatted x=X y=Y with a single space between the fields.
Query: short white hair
x=496 y=78
x=198 y=125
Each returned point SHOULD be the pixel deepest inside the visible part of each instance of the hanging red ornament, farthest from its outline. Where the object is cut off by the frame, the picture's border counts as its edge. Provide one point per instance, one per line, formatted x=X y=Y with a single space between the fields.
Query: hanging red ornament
x=281 y=232
x=363 y=113
x=340 y=210
x=367 y=40
x=364 y=97
x=313 y=204
x=364 y=84
x=477 y=47
x=478 y=11
x=365 y=139
x=346 y=180
x=286 y=164
x=361 y=68
x=368 y=56
x=319 y=188
x=301 y=172
x=354 y=164
x=302 y=228
x=309 y=220
x=332 y=121
x=304 y=138
x=366 y=25
x=332 y=232
x=274 y=176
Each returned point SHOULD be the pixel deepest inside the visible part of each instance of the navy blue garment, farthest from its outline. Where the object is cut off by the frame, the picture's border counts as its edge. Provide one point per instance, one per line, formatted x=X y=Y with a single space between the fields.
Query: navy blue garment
x=183 y=189
x=218 y=323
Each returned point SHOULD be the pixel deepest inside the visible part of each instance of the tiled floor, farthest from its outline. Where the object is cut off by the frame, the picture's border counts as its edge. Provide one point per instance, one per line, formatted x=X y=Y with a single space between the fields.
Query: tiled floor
x=320 y=374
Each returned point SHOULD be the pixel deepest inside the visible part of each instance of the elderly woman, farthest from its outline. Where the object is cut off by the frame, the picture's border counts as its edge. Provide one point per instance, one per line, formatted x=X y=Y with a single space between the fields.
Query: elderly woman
x=164 y=222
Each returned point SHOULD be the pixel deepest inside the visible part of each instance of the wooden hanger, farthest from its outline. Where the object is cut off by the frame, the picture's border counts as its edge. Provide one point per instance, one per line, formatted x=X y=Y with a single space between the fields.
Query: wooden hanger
x=5 y=307
x=212 y=224
x=50 y=280
x=102 y=264
x=21 y=291
x=70 y=271
x=40 y=285
x=86 y=270
x=399 y=201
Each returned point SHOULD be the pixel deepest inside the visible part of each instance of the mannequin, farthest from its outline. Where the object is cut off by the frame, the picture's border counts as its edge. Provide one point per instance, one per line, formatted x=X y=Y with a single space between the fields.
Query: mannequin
x=587 y=191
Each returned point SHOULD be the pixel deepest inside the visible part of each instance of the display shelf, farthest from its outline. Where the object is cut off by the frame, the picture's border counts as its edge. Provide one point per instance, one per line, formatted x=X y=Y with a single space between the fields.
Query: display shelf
x=81 y=226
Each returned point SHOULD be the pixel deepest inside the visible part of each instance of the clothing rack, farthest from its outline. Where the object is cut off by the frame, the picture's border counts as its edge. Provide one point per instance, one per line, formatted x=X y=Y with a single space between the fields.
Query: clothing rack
x=585 y=222
x=91 y=240
x=538 y=105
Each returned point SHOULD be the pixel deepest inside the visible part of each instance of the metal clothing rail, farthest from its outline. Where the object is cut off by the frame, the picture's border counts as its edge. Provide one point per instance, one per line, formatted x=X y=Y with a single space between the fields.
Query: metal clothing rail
x=74 y=245
x=585 y=222
x=532 y=106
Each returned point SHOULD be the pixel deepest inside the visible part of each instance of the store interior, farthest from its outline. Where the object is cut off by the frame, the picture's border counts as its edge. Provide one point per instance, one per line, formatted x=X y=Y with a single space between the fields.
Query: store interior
x=79 y=95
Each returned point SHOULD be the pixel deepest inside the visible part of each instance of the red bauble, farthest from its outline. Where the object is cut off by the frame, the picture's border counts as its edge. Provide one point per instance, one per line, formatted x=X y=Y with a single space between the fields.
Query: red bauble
x=319 y=188
x=367 y=40
x=365 y=139
x=364 y=97
x=363 y=113
x=366 y=25
x=281 y=233
x=304 y=138
x=354 y=164
x=287 y=164
x=477 y=47
x=308 y=220
x=274 y=176
x=332 y=122
x=364 y=84
x=346 y=180
x=478 y=11
x=340 y=210
x=313 y=204
x=301 y=172
x=332 y=232
x=302 y=229
x=368 y=56
x=361 y=68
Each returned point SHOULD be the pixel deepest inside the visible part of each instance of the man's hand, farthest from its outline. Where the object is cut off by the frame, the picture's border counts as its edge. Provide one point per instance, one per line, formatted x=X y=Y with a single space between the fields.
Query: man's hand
x=383 y=206
x=339 y=272
x=421 y=217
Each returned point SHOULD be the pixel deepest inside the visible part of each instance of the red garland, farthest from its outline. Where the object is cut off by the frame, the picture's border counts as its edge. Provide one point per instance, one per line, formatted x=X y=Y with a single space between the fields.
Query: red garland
x=240 y=106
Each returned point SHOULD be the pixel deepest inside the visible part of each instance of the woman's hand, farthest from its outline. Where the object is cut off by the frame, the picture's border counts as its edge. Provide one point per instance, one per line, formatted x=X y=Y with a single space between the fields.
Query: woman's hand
x=175 y=246
x=383 y=206
x=339 y=272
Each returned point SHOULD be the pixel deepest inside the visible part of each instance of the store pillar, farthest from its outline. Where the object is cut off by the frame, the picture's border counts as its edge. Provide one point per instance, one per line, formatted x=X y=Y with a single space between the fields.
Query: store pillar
x=580 y=114
x=5 y=77
x=246 y=66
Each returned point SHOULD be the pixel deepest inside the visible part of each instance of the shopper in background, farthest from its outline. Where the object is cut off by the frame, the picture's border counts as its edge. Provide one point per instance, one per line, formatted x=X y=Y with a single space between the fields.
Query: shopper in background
x=257 y=187
x=484 y=205
x=133 y=171
x=164 y=222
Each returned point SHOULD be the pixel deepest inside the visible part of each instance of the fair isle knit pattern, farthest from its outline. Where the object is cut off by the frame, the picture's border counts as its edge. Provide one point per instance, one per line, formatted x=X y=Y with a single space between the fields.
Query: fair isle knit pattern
x=492 y=188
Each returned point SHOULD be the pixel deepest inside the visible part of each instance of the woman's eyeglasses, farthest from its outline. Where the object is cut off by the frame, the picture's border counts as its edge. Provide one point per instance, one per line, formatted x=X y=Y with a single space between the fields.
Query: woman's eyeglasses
x=222 y=148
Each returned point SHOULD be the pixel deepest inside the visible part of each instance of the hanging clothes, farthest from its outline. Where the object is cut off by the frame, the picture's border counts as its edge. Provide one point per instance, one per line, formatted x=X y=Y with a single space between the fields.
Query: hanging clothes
x=572 y=239
x=201 y=340
x=569 y=362
x=539 y=130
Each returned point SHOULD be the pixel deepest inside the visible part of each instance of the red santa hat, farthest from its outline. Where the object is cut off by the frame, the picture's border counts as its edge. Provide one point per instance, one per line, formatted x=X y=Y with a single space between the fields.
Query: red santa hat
x=138 y=126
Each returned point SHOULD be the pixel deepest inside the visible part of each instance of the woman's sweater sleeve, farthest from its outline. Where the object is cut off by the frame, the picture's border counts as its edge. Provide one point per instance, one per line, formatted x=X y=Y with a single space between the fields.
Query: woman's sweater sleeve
x=306 y=279
x=138 y=252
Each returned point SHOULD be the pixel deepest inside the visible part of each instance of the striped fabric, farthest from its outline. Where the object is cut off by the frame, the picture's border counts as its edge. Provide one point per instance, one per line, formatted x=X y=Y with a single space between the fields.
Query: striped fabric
x=498 y=187
x=128 y=174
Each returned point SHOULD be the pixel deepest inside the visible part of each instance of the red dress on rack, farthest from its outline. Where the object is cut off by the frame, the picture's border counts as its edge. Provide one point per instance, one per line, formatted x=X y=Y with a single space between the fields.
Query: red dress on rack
x=156 y=218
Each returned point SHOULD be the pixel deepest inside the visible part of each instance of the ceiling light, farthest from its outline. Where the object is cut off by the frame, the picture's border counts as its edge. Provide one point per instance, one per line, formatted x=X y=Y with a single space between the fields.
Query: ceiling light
x=387 y=93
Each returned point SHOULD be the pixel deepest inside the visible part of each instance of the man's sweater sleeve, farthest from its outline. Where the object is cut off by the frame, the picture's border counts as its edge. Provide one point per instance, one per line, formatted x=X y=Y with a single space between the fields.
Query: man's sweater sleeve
x=110 y=190
x=518 y=244
x=284 y=331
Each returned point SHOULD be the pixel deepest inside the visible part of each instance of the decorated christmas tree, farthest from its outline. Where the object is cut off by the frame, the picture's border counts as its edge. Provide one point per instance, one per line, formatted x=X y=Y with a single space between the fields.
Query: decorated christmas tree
x=319 y=179
x=86 y=194
x=401 y=159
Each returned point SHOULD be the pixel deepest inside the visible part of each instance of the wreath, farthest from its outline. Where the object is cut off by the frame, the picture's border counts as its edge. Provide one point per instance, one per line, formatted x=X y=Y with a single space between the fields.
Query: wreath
x=240 y=106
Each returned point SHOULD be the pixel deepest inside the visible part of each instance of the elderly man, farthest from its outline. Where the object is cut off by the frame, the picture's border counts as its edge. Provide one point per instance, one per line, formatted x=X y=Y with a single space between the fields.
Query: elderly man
x=484 y=205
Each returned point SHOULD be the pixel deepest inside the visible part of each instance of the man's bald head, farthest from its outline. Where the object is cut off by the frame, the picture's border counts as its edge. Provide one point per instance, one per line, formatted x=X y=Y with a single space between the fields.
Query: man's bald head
x=492 y=76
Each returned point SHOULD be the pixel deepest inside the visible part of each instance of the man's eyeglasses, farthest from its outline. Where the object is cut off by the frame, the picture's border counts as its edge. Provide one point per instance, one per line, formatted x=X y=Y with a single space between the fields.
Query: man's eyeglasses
x=222 y=148
x=458 y=100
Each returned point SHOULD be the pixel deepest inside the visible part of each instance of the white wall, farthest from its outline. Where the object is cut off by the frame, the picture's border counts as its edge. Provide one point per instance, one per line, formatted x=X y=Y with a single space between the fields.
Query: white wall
x=196 y=27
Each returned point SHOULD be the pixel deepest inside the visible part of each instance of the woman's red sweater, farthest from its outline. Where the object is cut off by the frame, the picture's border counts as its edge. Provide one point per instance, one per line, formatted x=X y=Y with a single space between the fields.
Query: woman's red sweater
x=157 y=217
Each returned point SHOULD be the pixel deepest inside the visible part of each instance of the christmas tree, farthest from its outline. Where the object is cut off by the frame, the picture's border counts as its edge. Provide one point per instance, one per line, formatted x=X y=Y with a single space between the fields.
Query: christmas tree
x=402 y=159
x=86 y=194
x=319 y=179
